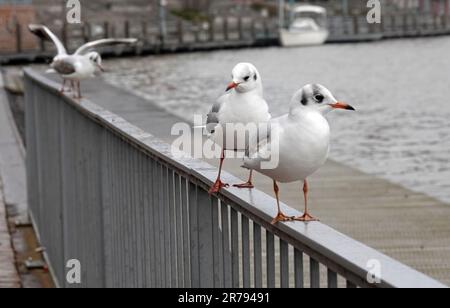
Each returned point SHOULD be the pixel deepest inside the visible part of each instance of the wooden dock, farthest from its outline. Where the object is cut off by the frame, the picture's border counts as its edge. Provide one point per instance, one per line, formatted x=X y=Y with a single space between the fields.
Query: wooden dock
x=9 y=277
x=410 y=227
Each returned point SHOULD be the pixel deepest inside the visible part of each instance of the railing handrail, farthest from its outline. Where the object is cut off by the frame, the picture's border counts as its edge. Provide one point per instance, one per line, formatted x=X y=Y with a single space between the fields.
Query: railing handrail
x=337 y=251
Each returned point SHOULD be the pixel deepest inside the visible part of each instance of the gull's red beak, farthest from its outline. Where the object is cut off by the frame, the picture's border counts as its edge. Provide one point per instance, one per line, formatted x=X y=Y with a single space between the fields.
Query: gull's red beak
x=231 y=86
x=341 y=105
x=101 y=68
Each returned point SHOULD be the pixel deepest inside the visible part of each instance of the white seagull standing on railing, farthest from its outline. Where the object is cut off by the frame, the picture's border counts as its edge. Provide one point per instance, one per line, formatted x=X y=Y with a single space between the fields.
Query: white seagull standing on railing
x=302 y=140
x=83 y=64
x=242 y=104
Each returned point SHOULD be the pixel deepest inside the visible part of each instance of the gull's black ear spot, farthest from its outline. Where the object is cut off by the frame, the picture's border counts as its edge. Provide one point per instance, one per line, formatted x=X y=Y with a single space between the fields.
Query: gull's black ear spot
x=256 y=77
x=304 y=99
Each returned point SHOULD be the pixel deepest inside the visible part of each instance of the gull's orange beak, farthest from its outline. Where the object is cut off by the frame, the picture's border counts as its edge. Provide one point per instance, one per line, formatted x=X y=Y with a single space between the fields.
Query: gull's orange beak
x=341 y=105
x=231 y=86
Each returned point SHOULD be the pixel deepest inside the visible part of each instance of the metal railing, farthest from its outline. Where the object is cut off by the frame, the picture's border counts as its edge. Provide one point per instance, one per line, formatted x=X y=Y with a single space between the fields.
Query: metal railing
x=112 y=196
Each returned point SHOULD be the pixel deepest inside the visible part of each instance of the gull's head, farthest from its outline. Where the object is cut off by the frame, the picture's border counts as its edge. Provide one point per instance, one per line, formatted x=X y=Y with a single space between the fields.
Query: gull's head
x=317 y=97
x=245 y=78
x=95 y=58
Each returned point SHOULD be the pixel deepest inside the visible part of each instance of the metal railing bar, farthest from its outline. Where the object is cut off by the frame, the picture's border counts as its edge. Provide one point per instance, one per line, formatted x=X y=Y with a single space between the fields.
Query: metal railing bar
x=149 y=235
x=257 y=256
x=226 y=248
x=338 y=252
x=270 y=255
x=172 y=228
x=140 y=218
x=194 y=240
x=245 y=225
x=186 y=232
x=157 y=220
x=284 y=264
x=179 y=230
x=332 y=279
x=314 y=268
x=217 y=244
x=298 y=270
x=235 y=248
x=205 y=235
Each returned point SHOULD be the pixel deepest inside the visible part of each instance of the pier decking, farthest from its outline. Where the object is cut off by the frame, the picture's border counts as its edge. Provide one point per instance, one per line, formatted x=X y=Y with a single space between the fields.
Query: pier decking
x=9 y=277
x=408 y=226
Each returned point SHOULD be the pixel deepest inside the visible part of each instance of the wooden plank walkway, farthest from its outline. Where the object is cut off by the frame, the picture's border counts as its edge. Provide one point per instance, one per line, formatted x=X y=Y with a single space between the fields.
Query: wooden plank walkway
x=9 y=277
x=8 y=272
x=410 y=227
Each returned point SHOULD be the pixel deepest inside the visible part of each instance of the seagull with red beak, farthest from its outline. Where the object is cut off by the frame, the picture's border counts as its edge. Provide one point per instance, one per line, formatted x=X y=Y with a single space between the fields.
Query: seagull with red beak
x=242 y=104
x=302 y=142
x=83 y=64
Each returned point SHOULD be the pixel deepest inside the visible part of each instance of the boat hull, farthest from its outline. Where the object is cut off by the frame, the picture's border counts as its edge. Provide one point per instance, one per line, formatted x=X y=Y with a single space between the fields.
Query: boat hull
x=303 y=38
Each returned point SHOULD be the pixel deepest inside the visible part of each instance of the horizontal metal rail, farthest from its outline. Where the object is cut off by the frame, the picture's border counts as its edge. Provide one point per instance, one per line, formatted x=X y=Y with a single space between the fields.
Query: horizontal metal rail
x=107 y=194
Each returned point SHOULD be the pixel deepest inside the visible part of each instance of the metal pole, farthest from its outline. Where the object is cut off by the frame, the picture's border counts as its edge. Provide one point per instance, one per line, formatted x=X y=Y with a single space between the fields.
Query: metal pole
x=162 y=20
x=345 y=9
x=281 y=20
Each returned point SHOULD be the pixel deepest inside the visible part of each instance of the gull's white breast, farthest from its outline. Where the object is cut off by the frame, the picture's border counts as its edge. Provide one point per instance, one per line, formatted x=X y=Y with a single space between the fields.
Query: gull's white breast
x=302 y=145
x=240 y=109
x=84 y=68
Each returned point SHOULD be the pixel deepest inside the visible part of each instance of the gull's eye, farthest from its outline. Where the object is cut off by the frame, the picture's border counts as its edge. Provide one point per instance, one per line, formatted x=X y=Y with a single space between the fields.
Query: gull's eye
x=319 y=98
x=246 y=78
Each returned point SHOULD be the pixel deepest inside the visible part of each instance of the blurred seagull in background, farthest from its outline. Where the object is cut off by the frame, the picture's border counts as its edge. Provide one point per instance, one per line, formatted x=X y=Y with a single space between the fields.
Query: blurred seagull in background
x=242 y=104
x=302 y=138
x=83 y=64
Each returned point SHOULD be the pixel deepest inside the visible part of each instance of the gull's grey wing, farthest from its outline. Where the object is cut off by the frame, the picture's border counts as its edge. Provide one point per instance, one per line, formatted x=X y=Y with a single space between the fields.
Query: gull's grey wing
x=104 y=42
x=64 y=67
x=44 y=33
x=212 y=119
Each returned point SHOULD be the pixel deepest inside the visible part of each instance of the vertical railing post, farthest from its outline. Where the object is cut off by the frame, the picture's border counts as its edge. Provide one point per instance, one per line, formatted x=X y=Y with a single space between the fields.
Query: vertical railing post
x=266 y=29
x=180 y=31
x=18 y=37
x=86 y=32
x=212 y=29
x=253 y=29
x=106 y=29
x=226 y=29
x=64 y=35
x=144 y=29
x=240 y=29
x=355 y=25
x=197 y=29
x=127 y=28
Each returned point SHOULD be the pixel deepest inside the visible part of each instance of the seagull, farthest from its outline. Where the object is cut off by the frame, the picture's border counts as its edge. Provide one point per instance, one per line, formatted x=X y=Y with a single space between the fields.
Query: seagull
x=302 y=142
x=244 y=104
x=83 y=64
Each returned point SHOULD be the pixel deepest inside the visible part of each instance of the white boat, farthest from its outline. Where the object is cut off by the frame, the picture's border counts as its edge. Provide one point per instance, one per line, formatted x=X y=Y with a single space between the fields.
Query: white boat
x=308 y=26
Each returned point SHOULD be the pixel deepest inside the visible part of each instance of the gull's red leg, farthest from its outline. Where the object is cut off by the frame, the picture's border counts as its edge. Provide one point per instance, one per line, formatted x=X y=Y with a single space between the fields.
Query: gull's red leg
x=280 y=216
x=218 y=185
x=63 y=88
x=79 y=89
x=249 y=183
x=306 y=217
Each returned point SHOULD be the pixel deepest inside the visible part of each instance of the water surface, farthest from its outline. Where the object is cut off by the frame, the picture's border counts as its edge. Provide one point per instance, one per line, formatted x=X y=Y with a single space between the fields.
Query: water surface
x=401 y=89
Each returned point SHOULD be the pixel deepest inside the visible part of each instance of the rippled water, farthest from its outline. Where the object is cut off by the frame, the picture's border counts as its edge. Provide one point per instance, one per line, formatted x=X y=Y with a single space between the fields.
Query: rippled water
x=401 y=89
